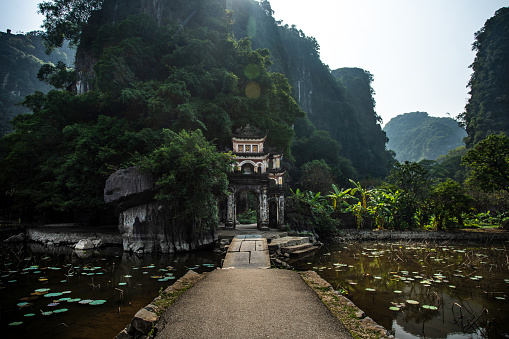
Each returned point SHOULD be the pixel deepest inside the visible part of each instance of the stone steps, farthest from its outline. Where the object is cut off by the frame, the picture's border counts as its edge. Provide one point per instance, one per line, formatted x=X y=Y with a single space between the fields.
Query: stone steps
x=279 y=243
x=304 y=252
x=295 y=248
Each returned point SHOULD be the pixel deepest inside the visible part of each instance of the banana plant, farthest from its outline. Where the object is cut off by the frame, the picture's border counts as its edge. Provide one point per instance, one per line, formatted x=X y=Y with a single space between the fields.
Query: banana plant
x=380 y=206
x=340 y=198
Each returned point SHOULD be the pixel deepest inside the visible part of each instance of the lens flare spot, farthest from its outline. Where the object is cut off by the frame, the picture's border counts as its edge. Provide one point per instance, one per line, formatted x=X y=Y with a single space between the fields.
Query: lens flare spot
x=251 y=27
x=253 y=90
x=252 y=71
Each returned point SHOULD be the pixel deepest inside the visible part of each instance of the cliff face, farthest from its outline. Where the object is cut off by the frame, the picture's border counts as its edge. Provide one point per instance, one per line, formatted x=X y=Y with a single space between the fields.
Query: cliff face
x=180 y=12
x=293 y=54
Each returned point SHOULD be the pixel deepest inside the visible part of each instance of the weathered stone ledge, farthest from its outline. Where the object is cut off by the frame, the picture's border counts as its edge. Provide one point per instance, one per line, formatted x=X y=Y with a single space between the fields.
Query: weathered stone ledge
x=354 y=319
x=71 y=237
x=367 y=235
x=145 y=319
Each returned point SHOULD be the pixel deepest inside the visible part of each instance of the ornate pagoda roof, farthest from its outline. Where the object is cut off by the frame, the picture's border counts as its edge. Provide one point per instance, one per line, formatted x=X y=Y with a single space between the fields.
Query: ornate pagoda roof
x=249 y=132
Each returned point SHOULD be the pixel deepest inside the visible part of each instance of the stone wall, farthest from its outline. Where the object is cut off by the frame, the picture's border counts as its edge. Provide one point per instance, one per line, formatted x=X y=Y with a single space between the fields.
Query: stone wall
x=147 y=225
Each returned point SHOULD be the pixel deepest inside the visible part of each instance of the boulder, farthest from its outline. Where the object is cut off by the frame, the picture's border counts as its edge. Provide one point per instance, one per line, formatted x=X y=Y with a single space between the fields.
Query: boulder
x=98 y=243
x=16 y=238
x=129 y=187
x=84 y=244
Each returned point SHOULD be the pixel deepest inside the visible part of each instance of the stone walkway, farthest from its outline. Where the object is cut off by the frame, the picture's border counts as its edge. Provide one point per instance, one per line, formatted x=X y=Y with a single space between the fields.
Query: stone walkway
x=245 y=299
x=250 y=303
x=247 y=251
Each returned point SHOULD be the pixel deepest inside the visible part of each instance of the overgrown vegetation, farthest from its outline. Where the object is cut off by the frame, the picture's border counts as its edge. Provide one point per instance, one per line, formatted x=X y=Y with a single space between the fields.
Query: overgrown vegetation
x=412 y=198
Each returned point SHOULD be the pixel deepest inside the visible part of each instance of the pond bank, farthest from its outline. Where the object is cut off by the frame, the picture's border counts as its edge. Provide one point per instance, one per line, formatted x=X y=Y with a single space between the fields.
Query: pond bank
x=347 y=235
x=68 y=234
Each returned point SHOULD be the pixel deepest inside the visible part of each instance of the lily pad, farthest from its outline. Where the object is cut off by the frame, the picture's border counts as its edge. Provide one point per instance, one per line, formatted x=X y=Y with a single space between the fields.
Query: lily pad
x=53 y=304
x=47 y=313
x=398 y=292
x=73 y=300
x=394 y=308
x=122 y=283
x=42 y=290
x=370 y=289
x=61 y=310
x=85 y=301
x=29 y=315
x=412 y=302
x=97 y=302
x=16 y=323
x=52 y=295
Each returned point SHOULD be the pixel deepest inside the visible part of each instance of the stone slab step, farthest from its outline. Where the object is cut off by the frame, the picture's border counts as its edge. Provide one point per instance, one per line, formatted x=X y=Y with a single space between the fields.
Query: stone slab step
x=278 y=243
x=304 y=252
x=295 y=248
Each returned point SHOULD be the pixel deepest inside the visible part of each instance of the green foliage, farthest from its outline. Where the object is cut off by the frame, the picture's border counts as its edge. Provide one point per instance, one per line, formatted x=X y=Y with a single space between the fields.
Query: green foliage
x=417 y=136
x=412 y=181
x=190 y=174
x=59 y=76
x=450 y=165
x=320 y=210
x=21 y=57
x=248 y=217
x=65 y=20
x=449 y=202
x=316 y=176
x=486 y=110
x=489 y=161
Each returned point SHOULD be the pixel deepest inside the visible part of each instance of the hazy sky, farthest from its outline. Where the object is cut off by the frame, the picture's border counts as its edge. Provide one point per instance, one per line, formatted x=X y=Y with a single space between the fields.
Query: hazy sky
x=418 y=50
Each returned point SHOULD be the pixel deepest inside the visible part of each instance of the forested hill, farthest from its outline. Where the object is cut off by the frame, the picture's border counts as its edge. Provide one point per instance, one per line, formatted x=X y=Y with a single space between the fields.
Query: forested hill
x=21 y=57
x=487 y=110
x=416 y=136
x=292 y=53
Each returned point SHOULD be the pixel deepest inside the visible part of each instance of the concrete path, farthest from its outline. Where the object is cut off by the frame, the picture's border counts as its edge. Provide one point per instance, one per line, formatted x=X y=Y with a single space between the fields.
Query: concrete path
x=250 y=303
x=247 y=251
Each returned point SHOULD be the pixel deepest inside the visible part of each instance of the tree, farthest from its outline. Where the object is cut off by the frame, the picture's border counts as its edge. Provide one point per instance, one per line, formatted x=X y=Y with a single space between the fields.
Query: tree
x=412 y=179
x=449 y=202
x=65 y=20
x=316 y=176
x=190 y=174
x=489 y=161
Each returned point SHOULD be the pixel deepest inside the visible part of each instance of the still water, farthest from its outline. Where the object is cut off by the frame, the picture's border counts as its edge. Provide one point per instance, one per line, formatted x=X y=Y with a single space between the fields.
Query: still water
x=58 y=293
x=423 y=290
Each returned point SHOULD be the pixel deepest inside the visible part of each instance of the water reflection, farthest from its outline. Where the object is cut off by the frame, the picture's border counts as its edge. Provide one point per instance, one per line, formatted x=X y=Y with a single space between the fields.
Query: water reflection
x=423 y=290
x=124 y=282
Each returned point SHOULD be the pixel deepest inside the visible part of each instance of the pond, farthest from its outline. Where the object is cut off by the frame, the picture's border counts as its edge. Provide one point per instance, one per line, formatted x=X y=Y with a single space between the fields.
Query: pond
x=423 y=290
x=58 y=293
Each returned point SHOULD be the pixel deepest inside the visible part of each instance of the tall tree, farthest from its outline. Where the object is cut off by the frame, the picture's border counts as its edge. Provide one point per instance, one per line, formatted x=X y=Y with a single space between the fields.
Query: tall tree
x=65 y=20
x=489 y=161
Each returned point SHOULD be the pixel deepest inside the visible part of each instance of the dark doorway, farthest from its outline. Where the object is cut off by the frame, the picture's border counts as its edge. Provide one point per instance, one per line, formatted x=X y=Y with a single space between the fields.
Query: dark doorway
x=273 y=213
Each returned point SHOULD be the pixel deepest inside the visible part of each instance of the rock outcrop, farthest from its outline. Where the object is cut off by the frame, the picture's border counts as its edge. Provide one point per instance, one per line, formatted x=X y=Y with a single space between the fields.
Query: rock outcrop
x=147 y=225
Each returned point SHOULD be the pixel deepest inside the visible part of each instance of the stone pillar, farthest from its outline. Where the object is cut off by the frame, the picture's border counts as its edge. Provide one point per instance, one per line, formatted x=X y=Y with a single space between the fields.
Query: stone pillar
x=230 y=210
x=281 y=214
x=263 y=221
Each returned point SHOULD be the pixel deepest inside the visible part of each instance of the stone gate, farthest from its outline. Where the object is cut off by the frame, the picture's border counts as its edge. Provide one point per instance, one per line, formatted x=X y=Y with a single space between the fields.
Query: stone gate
x=258 y=171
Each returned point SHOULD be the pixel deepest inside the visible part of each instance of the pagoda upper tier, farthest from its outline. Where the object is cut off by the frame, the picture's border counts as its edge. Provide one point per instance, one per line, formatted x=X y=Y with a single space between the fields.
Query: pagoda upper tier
x=251 y=157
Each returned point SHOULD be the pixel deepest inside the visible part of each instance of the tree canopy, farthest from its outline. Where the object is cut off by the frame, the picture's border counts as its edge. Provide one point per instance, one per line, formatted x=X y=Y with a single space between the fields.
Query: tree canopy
x=489 y=161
